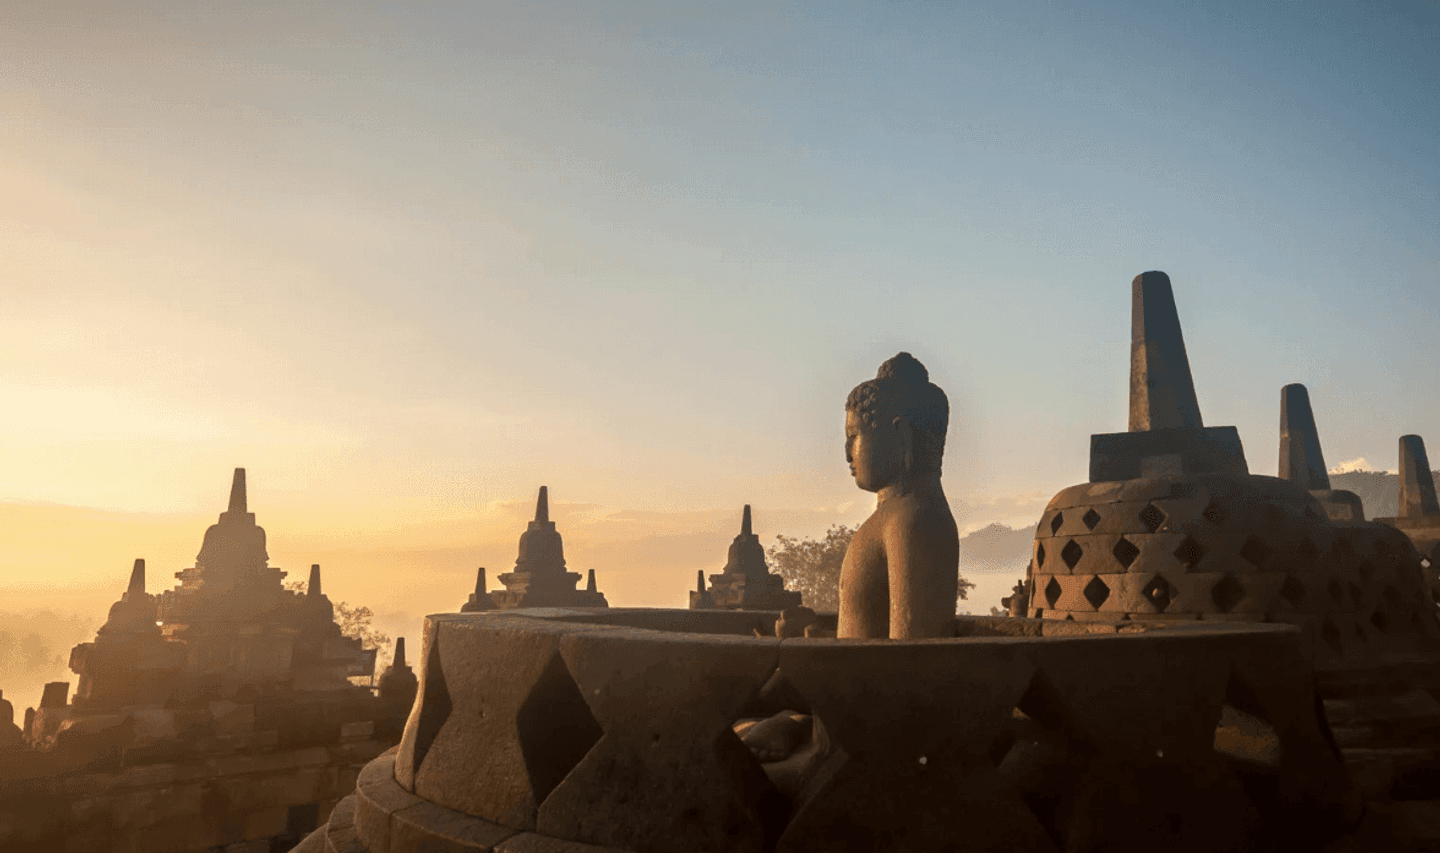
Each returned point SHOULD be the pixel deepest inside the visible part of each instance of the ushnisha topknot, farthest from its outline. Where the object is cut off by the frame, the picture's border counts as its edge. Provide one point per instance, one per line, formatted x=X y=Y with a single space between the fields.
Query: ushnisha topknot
x=903 y=366
x=902 y=388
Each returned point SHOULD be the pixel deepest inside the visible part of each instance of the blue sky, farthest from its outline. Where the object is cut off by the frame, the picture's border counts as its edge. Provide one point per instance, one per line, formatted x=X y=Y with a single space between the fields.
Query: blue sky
x=407 y=263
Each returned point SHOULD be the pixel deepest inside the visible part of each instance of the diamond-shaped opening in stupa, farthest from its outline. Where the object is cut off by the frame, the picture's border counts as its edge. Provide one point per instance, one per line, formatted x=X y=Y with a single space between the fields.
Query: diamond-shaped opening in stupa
x=1380 y=620
x=1125 y=552
x=1091 y=519
x=1040 y=556
x=1052 y=592
x=1306 y=551
x=1159 y=592
x=1331 y=635
x=1189 y=552
x=1337 y=594
x=1152 y=517
x=1056 y=523
x=749 y=749
x=1214 y=513
x=1246 y=737
x=1292 y=591
x=555 y=728
x=1096 y=591
x=1256 y=552
x=1366 y=569
x=1393 y=597
x=1356 y=594
x=1071 y=553
x=432 y=707
x=1227 y=593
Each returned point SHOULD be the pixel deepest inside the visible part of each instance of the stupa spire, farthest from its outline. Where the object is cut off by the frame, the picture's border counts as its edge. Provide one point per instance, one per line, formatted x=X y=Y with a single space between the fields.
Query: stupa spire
x=313 y=589
x=1162 y=391
x=700 y=580
x=745 y=528
x=137 y=579
x=590 y=584
x=1301 y=460
x=399 y=652
x=480 y=581
x=238 y=501
x=1417 y=484
x=542 y=505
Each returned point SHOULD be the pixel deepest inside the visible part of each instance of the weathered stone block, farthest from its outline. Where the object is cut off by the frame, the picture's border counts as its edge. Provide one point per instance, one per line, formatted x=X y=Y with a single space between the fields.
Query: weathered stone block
x=265 y=823
x=1206 y=450
x=432 y=829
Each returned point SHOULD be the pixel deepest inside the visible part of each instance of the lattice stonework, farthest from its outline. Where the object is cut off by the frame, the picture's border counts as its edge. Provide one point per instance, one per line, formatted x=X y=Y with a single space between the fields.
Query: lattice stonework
x=614 y=733
x=1228 y=547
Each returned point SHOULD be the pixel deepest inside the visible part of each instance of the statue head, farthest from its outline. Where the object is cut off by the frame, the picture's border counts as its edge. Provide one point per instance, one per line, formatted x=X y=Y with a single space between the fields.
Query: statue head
x=895 y=424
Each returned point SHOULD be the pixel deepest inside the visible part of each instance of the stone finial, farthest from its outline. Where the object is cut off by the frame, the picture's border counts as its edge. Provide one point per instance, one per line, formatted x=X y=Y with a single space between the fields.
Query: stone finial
x=1301 y=460
x=1162 y=392
x=137 y=579
x=590 y=582
x=238 y=502
x=542 y=506
x=1417 y=484
x=313 y=589
x=399 y=653
x=480 y=581
x=745 y=528
x=699 y=580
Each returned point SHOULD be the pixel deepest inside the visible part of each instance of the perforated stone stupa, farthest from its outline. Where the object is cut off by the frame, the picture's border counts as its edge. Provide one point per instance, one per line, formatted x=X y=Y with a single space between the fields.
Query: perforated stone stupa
x=1419 y=513
x=540 y=579
x=746 y=582
x=1172 y=525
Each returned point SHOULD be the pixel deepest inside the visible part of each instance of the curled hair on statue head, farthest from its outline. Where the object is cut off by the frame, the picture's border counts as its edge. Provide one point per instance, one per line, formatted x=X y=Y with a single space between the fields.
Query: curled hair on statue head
x=902 y=389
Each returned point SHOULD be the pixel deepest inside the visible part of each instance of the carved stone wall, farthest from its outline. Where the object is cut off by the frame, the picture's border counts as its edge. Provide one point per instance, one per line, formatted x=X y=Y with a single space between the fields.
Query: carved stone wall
x=579 y=731
x=1233 y=548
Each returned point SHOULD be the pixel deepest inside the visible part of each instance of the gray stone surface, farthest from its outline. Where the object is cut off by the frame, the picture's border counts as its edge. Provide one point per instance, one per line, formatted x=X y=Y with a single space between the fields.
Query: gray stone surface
x=1013 y=734
x=1162 y=392
x=1166 y=452
x=1417 y=484
x=1301 y=460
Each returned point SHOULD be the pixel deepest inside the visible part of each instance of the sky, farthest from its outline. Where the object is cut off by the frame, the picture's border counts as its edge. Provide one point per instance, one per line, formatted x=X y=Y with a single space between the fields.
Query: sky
x=405 y=263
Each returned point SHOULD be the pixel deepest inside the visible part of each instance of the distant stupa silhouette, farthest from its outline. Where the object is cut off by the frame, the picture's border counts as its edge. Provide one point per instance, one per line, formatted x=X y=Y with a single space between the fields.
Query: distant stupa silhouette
x=540 y=578
x=746 y=582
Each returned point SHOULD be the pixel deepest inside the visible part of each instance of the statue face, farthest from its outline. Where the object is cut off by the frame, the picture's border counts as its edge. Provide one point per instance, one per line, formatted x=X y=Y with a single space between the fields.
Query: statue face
x=876 y=454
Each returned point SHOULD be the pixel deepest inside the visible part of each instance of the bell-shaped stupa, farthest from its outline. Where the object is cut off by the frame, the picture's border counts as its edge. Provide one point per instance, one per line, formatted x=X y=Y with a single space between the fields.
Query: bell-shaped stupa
x=1172 y=525
x=540 y=579
x=746 y=582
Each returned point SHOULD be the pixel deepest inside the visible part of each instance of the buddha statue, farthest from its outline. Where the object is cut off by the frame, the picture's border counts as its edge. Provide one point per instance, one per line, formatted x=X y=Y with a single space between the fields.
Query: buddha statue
x=900 y=574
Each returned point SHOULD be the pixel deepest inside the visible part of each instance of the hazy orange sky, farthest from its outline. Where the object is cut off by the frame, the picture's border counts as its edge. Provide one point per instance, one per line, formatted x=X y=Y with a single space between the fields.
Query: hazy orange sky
x=406 y=265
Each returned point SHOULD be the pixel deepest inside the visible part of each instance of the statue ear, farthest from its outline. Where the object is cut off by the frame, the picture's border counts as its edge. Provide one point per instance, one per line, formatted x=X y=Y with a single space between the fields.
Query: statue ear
x=907 y=442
